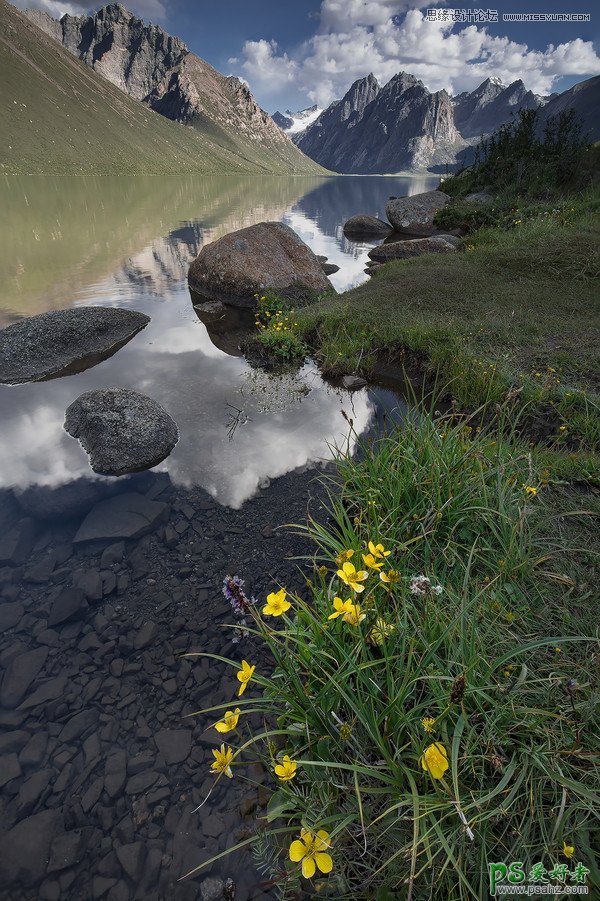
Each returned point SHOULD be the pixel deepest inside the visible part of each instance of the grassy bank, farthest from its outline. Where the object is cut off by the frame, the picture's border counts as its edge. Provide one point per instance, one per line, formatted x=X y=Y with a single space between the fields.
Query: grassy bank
x=433 y=706
x=516 y=313
x=433 y=717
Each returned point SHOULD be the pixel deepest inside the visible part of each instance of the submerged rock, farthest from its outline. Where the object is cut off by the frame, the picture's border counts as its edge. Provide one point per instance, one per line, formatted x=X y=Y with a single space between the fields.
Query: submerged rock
x=129 y=515
x=401 y=250
x=414 y=215
x=268 y=256
x=64 y=341
x=121 y=430
x=363 y=226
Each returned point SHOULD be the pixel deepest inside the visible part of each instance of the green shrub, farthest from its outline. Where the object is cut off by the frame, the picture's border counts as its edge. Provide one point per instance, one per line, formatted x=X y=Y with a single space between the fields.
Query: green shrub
x=420 y=721
x=522 y=156
x=278 y=331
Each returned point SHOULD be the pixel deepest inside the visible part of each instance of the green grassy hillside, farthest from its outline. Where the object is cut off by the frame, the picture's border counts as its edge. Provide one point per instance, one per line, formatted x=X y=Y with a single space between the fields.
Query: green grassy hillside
x=59 y=117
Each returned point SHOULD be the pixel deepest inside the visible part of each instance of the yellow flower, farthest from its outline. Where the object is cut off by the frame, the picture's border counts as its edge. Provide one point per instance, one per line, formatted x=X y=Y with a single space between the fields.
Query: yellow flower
x=244 y=675
x=380 y=631
x=343 y=556
x=353 y=616
x=286 y=770
x=352 y=577
x=311 y=849
x=558 y=650
x=428 y=724
x=435 y=760
x=276 y=603
x=568 y=850
x=229 y=721
x=378 y=551
x=529 y=489
x=340 y=608
x=372 y=561
x=509 y=617
x=390 y=577
x=221 y=763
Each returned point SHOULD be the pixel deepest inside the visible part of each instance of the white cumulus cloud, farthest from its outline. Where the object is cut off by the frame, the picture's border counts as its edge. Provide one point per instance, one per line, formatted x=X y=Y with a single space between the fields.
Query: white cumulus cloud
x=355 y=37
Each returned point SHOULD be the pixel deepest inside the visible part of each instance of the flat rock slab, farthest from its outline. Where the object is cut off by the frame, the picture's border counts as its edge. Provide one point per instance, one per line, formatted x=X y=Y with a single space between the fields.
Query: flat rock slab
x=268 y=256
x=414 y=215
x=121 y=430
x=19 y=674
x=363 y=226
x=174 y=744
x=64 y=341
x=402 y=250
x=128 y=515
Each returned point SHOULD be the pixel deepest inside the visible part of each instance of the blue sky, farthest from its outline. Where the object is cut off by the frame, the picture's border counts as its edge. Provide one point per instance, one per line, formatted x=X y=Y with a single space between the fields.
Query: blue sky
x=297 y=52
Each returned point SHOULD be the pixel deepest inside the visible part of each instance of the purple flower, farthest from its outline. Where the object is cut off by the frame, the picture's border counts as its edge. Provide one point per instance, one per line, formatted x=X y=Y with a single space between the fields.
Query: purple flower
x=233 y=589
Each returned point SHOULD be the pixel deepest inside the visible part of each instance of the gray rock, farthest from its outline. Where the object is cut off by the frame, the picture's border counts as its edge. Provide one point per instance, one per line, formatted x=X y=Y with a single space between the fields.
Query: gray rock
x=13 y=741
x=478 y=198
x=147 y=634
x=402 y=250
x=211 y=889
x=64 y=341
x=9 y=768
x=268 y=256
x=17 y=544
x=34 y=751
x=132 y=857
x=363 y=226
x=70 y=604
x=26 y=848
x=121 y=430
x=128 y=515
x=75 y=498
x=19 y=674
x=32 y=791
x=10 y=614
x=77 y=725
x=329 y=268
x=48 y=691
x=451 y=239
x=65 y=851
x=414 y=215
x=353 y=382
x=174 y=744
x=115 y=774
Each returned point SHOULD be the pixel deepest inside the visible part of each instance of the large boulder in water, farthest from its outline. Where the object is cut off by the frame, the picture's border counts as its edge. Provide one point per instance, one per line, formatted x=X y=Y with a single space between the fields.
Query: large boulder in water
x=364 y=226
x=64 y=341
x=268 y=256
x=414 y=215
x=121 y=430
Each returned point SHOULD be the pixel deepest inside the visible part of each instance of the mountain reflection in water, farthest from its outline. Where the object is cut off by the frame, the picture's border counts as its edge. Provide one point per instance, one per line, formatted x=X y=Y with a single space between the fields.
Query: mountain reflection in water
x=129 y=242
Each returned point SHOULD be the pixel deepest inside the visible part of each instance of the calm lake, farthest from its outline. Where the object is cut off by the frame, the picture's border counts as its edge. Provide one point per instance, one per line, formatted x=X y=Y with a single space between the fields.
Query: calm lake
x=105 y=782
x=129 y=242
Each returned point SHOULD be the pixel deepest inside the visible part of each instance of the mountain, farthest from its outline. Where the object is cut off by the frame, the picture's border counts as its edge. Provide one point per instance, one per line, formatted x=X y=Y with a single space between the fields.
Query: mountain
x=584 y=99
x=61 y=117
x=397 y=127
x=403 y=126
x=490 y=105
x=295 y=123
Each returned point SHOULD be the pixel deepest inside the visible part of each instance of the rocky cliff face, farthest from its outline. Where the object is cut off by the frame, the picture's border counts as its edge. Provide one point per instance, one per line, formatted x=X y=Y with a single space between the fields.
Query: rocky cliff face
x=125 y=50
x=374 y=129
x=584 y=99
x=156 y=68
x=490 y=105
